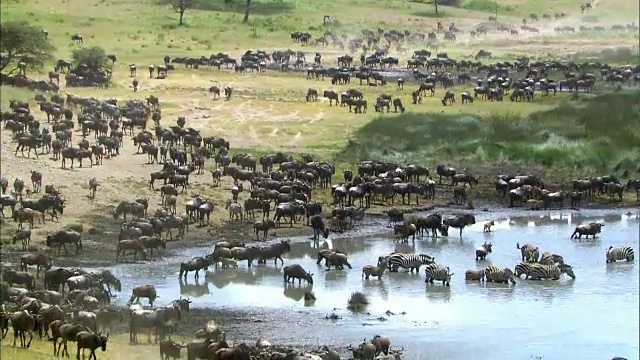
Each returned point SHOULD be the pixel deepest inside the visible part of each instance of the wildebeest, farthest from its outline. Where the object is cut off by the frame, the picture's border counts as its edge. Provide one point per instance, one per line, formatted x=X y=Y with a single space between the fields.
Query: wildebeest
x=41 y=261
x=24 y=235
x=136 y=246
x=91 y=341
x=274 y=252
x=63 y=237
x=69 y=332
x=483 y=251
x=19 y=277
x=586 y=230
x=23 y=323
x=296 y=271
x=170 y=349
x=93 y=187
x=460 y=221
x=144 y=291
x=196 y=264
x=263 y=226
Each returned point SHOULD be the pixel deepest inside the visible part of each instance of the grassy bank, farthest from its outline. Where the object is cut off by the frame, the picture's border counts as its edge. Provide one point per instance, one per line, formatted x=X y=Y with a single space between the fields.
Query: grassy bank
x=593 y=135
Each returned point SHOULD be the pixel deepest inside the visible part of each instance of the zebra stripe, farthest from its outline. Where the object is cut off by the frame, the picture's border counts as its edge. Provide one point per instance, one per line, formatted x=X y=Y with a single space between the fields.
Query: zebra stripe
x=553 y=272
x=523 y=268
x=438 y=273
x=408 y=261
x=370 y=270
x=495 y=274
x=620 y=253
x=548 y=258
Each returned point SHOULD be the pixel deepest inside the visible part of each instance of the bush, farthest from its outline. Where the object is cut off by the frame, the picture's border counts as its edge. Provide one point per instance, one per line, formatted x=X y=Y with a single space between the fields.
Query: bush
x=485 y=5
x=358 y=301
x=570 y=136
x=94 y=57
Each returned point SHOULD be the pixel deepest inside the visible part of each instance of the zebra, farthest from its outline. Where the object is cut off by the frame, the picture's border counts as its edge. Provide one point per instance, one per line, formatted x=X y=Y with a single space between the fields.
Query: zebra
x=408 y=261
x=494 y=274
x=370 y=270
x=476 y=275
x=235 y=210
x=548 y=258
x=523 y=268
x=530 y=252
x=439 y=273
x=553 y=272
x=619 y=253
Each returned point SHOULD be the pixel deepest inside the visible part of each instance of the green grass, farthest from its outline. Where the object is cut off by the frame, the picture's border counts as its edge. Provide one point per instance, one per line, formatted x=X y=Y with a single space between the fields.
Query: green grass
x=118 y=348
x=594 y=134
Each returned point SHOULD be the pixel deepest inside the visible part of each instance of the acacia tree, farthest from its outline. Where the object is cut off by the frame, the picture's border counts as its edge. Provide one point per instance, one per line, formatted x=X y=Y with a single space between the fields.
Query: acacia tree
x=95 y=58
x=22 y=42
x=179 y=6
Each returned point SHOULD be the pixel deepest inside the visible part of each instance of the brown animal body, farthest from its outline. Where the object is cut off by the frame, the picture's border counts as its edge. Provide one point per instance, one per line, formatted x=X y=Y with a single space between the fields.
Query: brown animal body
x=23 y=322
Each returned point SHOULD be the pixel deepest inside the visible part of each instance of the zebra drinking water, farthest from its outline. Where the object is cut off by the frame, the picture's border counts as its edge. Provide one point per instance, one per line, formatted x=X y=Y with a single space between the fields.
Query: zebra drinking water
x=408 y=261
x=495 y=274
x=438 y=273
x=553 y=272
x=619 y=253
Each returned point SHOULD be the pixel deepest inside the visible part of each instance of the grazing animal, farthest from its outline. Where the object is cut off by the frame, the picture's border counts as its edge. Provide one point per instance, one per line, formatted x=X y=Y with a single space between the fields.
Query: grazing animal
x=523 y=268
x=408 y=261
x=487 y=226
x=619 y=253
x=550 y=259
x=460 y=221
x=475 y=275
x=586 y=230
x=62 y=238
x=144 y=291
x=377 y=271
x=483 y=251
x=23 y=323
x=24 y=236
x=529 y=252
x=438 y=273
x=553 y=272
x=196 y=264
x=337 y=260
x=495 y=274
x=296 y=271
x=91 y=341
x=170 y=349
x=93 y=187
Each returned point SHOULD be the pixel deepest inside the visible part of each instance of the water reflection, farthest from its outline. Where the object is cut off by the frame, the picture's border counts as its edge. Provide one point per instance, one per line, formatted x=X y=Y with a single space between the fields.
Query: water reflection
x=500 y=291
x=454 y=308
x=376 y=287
x=296 y=291
x=438 y=292
x=196 y=289
x=242 y=276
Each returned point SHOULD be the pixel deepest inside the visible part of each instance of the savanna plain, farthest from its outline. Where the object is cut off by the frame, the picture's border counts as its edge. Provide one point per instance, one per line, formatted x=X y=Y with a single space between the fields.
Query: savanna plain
x=304 y=131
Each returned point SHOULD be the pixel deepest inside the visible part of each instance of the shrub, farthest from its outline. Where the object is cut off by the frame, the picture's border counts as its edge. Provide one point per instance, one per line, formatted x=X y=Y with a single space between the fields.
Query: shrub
x=94 y=57
x=358 y=301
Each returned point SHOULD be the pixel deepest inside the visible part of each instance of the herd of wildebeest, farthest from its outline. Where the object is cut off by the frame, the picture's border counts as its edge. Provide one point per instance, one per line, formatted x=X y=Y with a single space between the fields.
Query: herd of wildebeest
x=274 y=183
x=271 y=190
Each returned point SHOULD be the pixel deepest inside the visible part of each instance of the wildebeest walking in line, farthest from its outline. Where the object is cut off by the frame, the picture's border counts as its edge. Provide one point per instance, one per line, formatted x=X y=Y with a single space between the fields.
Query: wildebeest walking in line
x=587 y=229
x=77 y=38
x=93 y=187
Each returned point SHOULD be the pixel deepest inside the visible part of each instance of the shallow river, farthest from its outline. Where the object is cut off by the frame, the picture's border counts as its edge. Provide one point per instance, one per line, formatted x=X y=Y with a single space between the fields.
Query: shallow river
x=594 y=316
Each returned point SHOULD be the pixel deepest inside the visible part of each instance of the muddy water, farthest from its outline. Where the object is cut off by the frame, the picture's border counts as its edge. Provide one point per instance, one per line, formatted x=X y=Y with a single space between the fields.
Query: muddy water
x=594 y=316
